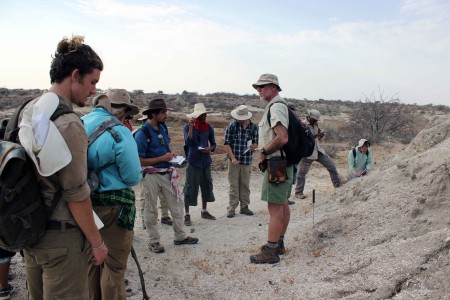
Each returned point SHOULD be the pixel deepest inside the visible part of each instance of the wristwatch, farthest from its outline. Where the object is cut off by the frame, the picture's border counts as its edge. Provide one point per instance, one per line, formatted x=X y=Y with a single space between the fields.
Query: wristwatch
x=263 y=151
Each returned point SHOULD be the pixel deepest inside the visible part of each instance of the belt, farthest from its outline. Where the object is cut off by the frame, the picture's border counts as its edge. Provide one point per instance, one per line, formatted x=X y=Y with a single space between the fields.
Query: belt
x=57 y=225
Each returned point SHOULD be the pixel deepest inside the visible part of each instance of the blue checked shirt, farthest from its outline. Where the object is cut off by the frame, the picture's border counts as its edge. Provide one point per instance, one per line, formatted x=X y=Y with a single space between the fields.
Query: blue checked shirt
x=236 y=136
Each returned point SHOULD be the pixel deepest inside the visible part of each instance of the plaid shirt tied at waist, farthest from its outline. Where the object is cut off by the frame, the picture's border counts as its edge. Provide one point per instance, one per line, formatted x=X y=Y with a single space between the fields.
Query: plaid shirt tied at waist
x=125 y=197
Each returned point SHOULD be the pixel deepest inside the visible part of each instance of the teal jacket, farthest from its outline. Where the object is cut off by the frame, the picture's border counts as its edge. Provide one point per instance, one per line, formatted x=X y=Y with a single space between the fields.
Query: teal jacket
x=126 y=171
x=359 y=163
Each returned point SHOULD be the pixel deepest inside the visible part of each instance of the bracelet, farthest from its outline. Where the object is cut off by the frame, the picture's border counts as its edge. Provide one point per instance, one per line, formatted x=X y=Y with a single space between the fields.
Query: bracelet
x=95 y=248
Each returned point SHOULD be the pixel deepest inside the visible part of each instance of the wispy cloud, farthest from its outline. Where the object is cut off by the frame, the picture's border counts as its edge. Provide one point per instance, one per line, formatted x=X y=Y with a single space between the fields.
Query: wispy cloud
x=111 y=8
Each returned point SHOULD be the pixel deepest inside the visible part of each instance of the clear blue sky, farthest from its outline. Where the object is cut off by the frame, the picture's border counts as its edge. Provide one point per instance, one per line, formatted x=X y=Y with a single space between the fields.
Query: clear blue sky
x=336 y=49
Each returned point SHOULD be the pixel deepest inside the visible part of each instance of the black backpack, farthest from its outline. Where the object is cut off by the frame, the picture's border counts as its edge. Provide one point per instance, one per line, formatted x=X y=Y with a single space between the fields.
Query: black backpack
x=301 y=141
x=354 y=152
x=23 y=215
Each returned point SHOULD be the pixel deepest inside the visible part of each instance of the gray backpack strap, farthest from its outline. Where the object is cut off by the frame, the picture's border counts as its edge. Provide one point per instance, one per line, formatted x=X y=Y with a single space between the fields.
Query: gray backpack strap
x=106 y=125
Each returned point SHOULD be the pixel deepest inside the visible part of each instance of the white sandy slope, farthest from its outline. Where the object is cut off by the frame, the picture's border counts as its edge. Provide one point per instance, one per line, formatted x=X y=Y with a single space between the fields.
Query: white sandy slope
x=383 y=236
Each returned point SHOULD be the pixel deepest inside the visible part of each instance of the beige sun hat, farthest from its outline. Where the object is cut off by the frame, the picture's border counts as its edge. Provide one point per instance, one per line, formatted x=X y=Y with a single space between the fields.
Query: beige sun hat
x=199 y=109
x=40 y=137
x=267 y=79
x=315 y=114
x=362 y=142
x=121 y=97
x=241 y=113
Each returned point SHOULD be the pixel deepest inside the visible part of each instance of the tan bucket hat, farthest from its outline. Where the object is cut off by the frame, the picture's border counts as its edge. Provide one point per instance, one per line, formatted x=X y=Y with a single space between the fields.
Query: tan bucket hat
x=241 y=113
x=315 y=114
x=40 y=137
x=121 y=97
x=199 y=109
x=267 y=79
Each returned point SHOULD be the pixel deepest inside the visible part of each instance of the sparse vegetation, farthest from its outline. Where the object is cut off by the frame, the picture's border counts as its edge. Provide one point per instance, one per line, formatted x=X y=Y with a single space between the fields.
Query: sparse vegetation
x=379 y=118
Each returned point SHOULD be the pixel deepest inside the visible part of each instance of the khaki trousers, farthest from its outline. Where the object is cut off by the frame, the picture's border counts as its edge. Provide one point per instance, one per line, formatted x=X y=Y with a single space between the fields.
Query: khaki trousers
x=57 y=266
x=154 y=186
x=106 y=281
x=239 y=180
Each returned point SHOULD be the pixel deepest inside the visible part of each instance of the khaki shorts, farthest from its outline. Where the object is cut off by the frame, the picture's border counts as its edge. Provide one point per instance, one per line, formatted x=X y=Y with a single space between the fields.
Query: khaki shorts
x=277 y=193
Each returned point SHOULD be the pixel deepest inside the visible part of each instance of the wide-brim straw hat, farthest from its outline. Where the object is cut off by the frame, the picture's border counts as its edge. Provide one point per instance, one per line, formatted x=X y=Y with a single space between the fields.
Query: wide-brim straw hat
x=154 y=105
x=241 y=113
x=40 y=137
x=199 y=109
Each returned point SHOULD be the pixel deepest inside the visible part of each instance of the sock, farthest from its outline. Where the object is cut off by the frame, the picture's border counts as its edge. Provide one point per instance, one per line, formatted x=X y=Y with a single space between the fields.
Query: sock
x=272 y=245
x=204 y=210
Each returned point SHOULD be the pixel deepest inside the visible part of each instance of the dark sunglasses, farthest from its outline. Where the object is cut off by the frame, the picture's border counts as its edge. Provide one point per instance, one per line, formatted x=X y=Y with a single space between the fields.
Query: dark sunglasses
x=261 y=86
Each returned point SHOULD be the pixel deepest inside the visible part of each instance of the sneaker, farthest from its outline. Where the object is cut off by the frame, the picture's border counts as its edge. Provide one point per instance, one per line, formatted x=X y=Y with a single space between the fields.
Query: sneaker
x=167 y=221
x=280 y=248
x=231 y=214
x=187 y=241
x=290 y=202
x=187 y=220
x=6 y=292
x=300 y=196
x=156 y=247
x=269 y=256
x=246 y=211
x=207 y=215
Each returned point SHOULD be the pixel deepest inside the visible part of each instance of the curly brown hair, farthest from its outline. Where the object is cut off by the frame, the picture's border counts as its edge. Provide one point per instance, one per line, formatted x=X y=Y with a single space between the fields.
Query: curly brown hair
x=73 y=54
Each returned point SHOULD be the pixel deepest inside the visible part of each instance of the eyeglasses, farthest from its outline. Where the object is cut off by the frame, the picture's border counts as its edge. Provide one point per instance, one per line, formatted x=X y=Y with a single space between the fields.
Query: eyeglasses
x=261 y=86
x=161 y=139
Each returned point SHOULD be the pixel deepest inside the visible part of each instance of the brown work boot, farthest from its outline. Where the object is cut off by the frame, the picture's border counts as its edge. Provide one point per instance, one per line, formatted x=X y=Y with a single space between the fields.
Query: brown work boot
x=280 y=248
x=187 y=220
x=167 y=221
x=207 y=215
x=246 y=211
x=269 y=256
x=187 y=241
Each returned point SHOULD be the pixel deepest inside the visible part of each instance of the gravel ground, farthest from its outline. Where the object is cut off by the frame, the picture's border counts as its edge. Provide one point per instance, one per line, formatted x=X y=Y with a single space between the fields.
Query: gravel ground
x=385 y=236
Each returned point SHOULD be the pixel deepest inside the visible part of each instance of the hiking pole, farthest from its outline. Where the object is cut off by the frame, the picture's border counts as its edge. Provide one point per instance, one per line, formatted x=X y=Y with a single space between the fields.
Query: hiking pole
x=141 y=275
x=313 y=201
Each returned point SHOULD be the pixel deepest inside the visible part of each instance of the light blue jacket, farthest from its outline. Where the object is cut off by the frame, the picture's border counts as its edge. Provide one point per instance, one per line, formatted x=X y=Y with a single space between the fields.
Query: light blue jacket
x=126 y=171
x=359 y=163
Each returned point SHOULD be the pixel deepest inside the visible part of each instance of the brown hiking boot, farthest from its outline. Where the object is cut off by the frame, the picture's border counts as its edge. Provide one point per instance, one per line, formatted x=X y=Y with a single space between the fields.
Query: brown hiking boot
x=269 y=256
x=280 y=248
x=187 y=241
x=187 y=220
x=207 y=215
x=300 y=196
x=167 y=221
x=246 y=211
x=156 y=247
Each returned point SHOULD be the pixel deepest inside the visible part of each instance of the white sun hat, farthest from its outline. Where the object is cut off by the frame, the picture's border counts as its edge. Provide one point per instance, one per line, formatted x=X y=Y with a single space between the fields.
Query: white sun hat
x=199 y=109
x=40 y=137
x=241 y=113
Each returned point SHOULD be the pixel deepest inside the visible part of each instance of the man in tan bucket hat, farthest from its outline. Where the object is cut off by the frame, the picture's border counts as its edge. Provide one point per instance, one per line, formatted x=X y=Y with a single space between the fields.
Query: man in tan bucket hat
x=272 y=137
x=241 y=139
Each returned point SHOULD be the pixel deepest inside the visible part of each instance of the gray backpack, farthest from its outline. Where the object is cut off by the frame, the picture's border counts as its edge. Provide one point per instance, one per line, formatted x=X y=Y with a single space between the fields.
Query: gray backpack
x=92 y=179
